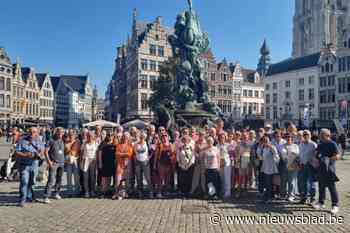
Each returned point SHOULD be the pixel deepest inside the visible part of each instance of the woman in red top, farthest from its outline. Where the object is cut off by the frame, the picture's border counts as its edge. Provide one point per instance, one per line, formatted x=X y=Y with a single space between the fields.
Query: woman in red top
x=165 y=159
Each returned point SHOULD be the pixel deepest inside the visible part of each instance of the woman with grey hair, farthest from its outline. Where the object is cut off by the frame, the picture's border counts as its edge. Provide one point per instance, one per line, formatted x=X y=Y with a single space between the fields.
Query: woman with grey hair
x=268 y=154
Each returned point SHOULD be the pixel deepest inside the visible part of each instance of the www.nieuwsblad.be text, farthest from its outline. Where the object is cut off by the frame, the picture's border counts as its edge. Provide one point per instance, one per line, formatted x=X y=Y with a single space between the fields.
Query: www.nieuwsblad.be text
x=216 y=219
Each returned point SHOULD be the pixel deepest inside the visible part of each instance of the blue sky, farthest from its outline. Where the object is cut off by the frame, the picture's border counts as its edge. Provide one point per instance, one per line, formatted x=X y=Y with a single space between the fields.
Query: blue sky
x=81 y=36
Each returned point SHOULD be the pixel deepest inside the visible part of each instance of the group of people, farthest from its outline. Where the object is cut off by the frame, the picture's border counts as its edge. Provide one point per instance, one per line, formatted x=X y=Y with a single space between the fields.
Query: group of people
x=206 y=163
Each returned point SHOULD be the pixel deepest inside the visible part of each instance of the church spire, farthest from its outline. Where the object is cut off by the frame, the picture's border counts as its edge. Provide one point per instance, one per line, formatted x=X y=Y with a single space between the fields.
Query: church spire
x=264 y=61
x=134 y=19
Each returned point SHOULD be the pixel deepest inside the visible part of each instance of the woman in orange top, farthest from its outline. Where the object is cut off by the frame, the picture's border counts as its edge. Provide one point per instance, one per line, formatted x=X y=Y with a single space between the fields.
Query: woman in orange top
x=123 y=155
x=165 y=160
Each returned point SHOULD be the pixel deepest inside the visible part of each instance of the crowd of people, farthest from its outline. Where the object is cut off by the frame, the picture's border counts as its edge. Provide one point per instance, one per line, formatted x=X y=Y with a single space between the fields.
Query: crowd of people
x=209 y=162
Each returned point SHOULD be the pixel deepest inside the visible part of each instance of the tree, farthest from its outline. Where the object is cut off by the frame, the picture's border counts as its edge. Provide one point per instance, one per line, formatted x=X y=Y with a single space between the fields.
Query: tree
x=164 y=87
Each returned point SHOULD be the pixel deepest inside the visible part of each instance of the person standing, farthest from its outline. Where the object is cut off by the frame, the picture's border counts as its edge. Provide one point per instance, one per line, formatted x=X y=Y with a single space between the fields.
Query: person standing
x=164 y=163
x=342 y=144
x=328 y=153
x=123 y=155
x=106 y=163
x=211 y=157
x=198 y=179
x=268 y=154
x=185 y=156
x=28 y=151
x=279 y=142
x=225 y=166
x=306 y=180
x=55 y=160
x=88 y=165
x=290 y=154
x=243 y=153
x=142 y=165
x=72 y=152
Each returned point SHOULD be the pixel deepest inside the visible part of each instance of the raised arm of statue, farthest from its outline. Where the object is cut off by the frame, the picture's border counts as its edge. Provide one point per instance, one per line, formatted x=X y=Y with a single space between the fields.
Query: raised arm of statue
x=190 y=4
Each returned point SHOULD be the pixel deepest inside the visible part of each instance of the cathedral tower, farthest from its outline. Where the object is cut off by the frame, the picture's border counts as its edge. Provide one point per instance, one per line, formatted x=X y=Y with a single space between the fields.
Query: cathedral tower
x=318 y=23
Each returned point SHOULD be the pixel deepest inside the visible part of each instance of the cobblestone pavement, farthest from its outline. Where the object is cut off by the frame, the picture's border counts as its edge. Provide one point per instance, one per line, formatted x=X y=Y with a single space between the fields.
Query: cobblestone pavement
x=176 y=215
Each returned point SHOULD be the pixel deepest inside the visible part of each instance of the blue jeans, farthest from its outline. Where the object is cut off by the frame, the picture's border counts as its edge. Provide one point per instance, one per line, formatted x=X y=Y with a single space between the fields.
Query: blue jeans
x=73 y=172
x=306 y=182
x=292 y=183
x=28 y=174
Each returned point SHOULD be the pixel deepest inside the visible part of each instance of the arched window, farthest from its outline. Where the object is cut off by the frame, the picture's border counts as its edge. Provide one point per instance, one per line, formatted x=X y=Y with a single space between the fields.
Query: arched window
x=327 y=67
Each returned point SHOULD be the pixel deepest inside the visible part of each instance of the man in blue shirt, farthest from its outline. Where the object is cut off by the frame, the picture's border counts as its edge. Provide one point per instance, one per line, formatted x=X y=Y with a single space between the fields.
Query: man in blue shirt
x=328 y=153
x=28 y=153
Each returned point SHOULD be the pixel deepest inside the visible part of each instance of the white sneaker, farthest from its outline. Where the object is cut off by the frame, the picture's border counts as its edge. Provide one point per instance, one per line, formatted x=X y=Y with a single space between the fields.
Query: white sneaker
x=120 y=198
x=58 y=197
x=318 y=206
x=291 y=199
x=335 y=210
x=47 y=200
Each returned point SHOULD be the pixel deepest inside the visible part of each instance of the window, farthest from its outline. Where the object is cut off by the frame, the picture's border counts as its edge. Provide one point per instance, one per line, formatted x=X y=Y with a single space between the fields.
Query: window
x=323 y=97
x=256 y=94
x=8 y=101
x=275 y=113
x=2 y=100
x=212 y=92
x=301 y=81
x=143 y=81
x=8 y=85
x=274 y=98
x=323 y=81
x=268 y=113
x=287 y=83
x=327 y=67
x=267 y=98
x=287 y=94
x=161 y=51
x=301 y=95
x=144 y=64
x=245 y=93
x=153 y=65
x=311 y=94
x=2 y=83
x=274 y=86
x=331 y=80
x=250 y=93
x=152 y=81
x=144 y=102
x=331 y=96
x=311 y=80
x=212 y=76
x=153 y=50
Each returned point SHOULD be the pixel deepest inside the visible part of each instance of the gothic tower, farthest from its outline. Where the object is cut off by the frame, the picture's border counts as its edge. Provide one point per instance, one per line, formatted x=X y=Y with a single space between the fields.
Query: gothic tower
x=318 y=23
x=265 y=60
